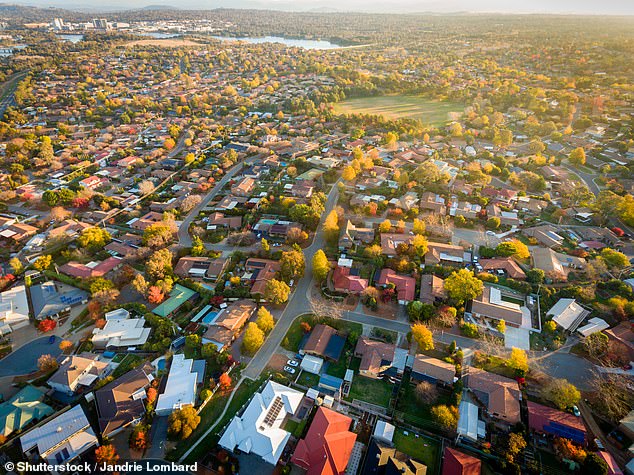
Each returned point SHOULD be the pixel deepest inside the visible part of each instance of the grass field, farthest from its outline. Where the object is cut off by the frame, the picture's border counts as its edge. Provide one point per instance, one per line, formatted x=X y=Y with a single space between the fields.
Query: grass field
x=402 y=107
x=374 y=391
x=420 y=448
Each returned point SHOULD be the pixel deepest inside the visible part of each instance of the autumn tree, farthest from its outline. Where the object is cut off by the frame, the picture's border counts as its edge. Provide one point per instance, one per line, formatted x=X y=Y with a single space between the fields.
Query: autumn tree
x=159 y=264
x=423 y=337
x=321 y=266
x=614 y=259
x=265 y=320
x=47 y=325
x=349 y=173
x=139 y=438
x=276 y=291
x=158 y=235
x=292 y=265
x=225 y=381
x=139 y=284
x=93 y=238
x=596 y=344
x=514 y=247
x=66 y=346
x=43 y=262
x=419 y=243
x=518 y=360
x=561 y=393
x=515 y=444
x=46 y=363
x=16 y=265
x=106 y=454
x=385 y=226
x=189 y=203
x=155 y=295
x=331 y=227
x=419 y=227
x=463 y=286
x=445 y=416
x=253 y=339
x=182 y=422
x=577 y=157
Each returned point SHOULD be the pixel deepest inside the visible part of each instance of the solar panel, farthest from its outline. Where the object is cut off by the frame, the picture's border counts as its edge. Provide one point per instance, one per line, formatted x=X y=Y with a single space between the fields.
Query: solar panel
x=275 y=410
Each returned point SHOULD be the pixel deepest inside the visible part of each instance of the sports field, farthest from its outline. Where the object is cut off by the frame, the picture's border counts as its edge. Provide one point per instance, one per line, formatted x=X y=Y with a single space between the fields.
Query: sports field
x=402 y=107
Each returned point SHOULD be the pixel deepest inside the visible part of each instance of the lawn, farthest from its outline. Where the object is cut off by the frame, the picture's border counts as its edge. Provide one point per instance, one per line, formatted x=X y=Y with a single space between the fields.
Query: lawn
x=128 y=362
x=373 y=391
x=412 y=411
x=402 y=107
x=308 y=379
x=493 y=364
x=420 y=448
x=296 y=428
x=295 y=333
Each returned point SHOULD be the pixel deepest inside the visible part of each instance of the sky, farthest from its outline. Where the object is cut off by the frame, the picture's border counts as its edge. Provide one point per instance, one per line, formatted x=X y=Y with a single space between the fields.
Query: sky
x=608 y=7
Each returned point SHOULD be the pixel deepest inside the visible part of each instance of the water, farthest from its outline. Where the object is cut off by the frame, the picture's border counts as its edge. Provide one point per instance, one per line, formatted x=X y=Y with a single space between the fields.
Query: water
x=210 y=318
x=71 y=38
x=306 y=44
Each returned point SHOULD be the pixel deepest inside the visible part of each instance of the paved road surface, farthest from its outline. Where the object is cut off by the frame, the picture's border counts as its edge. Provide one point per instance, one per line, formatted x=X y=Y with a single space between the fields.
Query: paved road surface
x=24 y=359
x=298 y=303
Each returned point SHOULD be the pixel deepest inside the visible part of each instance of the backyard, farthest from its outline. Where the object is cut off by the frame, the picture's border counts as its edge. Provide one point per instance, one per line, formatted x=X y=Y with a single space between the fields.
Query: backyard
x=402 y=107
x=373 y=391
x=421 y=448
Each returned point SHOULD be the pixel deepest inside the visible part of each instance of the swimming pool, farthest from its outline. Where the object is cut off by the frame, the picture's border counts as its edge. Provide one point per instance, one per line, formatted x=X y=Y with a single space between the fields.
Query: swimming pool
x=268 y=221
x=210 y=318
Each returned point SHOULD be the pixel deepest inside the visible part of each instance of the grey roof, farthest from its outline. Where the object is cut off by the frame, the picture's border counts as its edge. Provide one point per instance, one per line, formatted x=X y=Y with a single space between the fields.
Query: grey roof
x=50 y=298
x=56 y=430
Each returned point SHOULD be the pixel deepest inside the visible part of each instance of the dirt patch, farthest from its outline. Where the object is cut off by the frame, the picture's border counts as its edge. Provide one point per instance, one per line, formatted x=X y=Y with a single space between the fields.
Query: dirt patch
x=167 y=43
x=277 y=362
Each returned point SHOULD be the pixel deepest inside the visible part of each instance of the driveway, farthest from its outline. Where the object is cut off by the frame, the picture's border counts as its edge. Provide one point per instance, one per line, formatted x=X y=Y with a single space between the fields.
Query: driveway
x=517 y=338
x=24 y=359
x=158 y=436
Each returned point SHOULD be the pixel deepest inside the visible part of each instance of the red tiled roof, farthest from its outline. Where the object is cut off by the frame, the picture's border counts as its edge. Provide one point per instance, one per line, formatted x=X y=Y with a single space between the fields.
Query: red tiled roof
x=327 y=446
x=342 y=280
x=459 y=463
x=405 y=285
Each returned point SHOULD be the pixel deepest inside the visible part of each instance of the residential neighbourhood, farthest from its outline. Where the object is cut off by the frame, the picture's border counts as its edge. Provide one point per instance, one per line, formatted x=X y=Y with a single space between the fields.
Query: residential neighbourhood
x=209 y=256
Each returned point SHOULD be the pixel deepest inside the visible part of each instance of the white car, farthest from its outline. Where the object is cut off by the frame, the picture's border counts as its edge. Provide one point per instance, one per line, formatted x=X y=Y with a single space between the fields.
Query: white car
x=292 y=363
x=290 y=370
x=490 y=233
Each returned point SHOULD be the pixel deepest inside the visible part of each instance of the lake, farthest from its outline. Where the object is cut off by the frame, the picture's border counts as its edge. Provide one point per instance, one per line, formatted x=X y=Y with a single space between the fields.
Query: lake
x=72 y=38
x=298 y=43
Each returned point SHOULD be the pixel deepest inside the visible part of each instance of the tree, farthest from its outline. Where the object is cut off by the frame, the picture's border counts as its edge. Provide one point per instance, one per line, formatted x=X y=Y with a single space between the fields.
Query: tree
x=462 y=286
x=292 y=265
x=596 y=344
x=535 y=276
x=106 y=454
x=423 y=337
x=265 y=320
x=224 y=381
x=445 y=416
x=139 y=284
x=561 y=393
x=276 y=291
x=99 y=284
x=16 y=265
x=253 y=339
x=426 y=392
x=192 y=341
x=515 y=444
x=593 y=464
x=577 y=157
x=296 y=235
x=146 y=187
x=190 y=202
x=493 y=222
x=46 y=363
x=550 y=326
x=66 y=346
x=614 y=259
x=419 y=243
x=349 y=173
x=514 y=248
x=418 y=227
x=518 y=360
x=321 y=266
x=139 y=438
x=385 y=226
x=617 y=397
x=93 y=238
x=47 y=325
x=264 y=244
x=43 y=262
x=182 y=422
x=209 y=350
x=501 y=326
x=159 y=264
x=331 y=227
x=158 y=235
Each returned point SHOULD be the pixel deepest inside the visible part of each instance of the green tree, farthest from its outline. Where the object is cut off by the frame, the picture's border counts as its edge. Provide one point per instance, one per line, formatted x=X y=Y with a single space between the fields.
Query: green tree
x=253 y=339
x=50 y=197
x=321 y=266
x=198 y=247
x=614 y=259
x=493 y=222
x=99 y=284
x=43 y=262
x=462 y=286
x=276 y=291
x=593 y=464
x=265 y=320
x=535 y=276
x=192 y=341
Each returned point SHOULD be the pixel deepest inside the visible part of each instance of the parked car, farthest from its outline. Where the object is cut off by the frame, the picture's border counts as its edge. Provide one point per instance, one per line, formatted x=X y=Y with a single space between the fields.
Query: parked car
x=292 y=363
x=51 y=339
x=575 y=411
x=290 y=370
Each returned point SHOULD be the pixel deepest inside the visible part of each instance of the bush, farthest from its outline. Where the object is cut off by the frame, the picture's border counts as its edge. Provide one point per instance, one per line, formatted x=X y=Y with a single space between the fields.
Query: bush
x=470 y=330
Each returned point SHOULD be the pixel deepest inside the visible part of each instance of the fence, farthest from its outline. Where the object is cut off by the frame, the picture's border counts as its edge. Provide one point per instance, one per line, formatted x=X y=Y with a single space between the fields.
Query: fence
x=213 y=391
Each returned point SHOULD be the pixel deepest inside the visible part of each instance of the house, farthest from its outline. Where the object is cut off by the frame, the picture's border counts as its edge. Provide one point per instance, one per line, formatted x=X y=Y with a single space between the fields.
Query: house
x=244 y=187
x=302 y=189
x=352 y=235
x=405 y=285
x=61 y=439
x=258 y=430
x=546 y=235
x=383 y=459
x=405 y=202
x=495 y=305
x=465 y=209
x=391 y=241
x=228 y=323
x=507 y=218
x=22 y=409
x=219 y=220
x=499 y=396
x=432 y=289
x=52 y=298
x=459 y=463
x=346 y=279
x=556 y=265
x=178 y=296
x=433 y=370
x=327 y=446
x=259 y=272
x=145 y=221
x=379 y=358
x=18 y=231
x=204 y=268
x=14 y=309
x=446 y=255
x=180 y=390
x=92 y=269
x=77 y=371
x=568 y=314
x=550 y=421
x=505 y=264
x=624 y=335
x=434 y=203
x=121 y=333
x=504 y=196
x=120 y=403
x=324 y=341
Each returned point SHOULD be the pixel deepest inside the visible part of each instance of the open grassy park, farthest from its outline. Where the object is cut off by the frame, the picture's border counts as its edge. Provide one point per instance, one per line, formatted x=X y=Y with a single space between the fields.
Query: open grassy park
x=402 y=107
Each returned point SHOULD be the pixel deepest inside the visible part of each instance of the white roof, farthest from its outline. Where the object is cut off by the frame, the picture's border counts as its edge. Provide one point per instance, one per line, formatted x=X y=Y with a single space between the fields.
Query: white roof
x=311 y=364
x=118 y=314
x=258 y=430
x=594 y=325
x=344 y=262
x=566 y=312
x=129 y=332
x=180 y=389
x=468 y=420
x=70 y=430
x=14 y=307
x=384 y=430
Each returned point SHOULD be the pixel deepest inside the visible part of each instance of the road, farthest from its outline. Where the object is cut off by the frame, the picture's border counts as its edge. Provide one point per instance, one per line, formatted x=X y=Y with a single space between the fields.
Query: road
x=24 y=359
x=7 y=100
x=299 y=303
x=184 y=238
